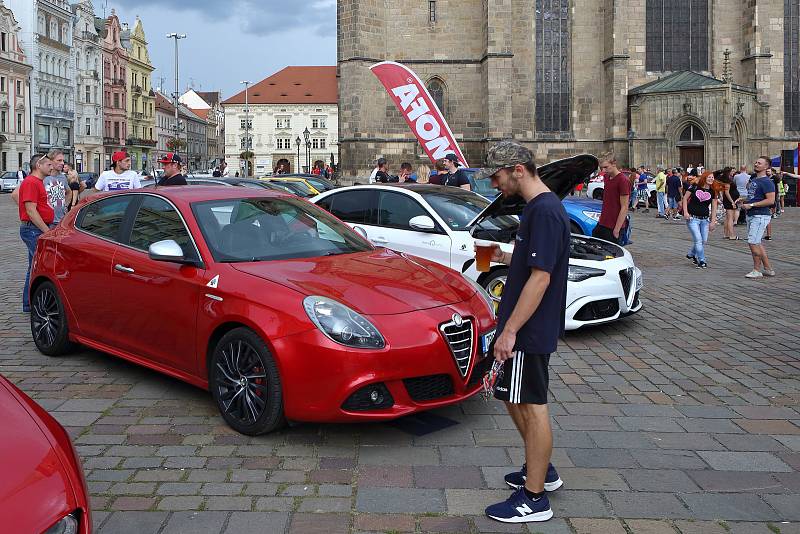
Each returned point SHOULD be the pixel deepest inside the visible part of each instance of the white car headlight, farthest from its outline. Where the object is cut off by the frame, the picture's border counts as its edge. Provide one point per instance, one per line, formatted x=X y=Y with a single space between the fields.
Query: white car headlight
x=578 y=273
x=341 y=324
x=594 y=215
x=482 y=292
x=67 y=525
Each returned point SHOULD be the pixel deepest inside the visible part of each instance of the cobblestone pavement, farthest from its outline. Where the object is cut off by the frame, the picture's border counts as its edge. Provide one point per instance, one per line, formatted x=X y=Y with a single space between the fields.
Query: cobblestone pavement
x=683 y=418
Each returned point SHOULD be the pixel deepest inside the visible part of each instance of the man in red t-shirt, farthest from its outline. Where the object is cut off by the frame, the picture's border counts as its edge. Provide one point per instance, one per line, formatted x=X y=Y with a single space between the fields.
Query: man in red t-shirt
x=35 y=213
x=616 y=192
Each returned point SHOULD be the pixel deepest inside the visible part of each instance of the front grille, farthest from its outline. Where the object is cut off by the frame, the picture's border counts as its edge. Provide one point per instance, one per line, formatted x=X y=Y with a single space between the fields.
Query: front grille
x=361 y=400
x=599 y=309
x=626 y=277
x=426 y=388
x=459 y=338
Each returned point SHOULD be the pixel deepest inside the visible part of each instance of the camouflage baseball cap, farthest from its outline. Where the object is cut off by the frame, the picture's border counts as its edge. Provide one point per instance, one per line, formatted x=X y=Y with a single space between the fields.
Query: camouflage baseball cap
x=503 y=155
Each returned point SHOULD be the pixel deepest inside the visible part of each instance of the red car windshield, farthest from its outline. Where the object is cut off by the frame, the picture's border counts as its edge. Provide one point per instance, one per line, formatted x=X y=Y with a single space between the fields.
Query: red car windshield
x=263 y=229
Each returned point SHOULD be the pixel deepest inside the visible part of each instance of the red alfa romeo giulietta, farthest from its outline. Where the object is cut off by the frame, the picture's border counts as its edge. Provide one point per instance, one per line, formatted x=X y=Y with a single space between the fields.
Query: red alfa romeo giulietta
x=42 y=489
x=270 y=302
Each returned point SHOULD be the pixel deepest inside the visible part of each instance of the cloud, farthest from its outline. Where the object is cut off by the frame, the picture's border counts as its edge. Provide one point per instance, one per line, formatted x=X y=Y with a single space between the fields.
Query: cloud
x=256 y=17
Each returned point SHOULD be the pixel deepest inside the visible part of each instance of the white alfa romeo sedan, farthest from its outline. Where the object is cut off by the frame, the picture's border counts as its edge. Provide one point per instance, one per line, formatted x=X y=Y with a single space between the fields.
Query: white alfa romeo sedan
x=440 y=223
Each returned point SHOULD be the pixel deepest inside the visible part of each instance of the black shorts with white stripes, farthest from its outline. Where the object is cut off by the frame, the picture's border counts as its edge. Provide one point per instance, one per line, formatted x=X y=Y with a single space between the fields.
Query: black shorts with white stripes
x=525 y=379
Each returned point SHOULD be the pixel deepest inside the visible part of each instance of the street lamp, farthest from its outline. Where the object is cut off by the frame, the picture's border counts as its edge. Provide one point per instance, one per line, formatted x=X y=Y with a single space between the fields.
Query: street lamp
x=176 y=36
x=297 y=142
x=306 y=136
x=246 y=126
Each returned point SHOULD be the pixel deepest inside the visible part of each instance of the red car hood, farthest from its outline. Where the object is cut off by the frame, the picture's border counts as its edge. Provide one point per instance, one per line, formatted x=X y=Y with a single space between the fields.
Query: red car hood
x=378 y=282
x=35 y=490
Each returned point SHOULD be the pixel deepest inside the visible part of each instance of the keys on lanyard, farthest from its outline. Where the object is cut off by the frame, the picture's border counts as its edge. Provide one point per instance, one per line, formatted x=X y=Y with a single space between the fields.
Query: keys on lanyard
x=490 y=379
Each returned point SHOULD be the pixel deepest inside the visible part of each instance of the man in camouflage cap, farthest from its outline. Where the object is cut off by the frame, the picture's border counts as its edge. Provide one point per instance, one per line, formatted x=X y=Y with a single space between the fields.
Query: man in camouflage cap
x=529 y=322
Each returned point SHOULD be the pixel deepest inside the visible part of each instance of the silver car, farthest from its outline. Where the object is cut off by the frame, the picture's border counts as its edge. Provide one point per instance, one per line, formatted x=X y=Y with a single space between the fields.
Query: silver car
x=8 y=181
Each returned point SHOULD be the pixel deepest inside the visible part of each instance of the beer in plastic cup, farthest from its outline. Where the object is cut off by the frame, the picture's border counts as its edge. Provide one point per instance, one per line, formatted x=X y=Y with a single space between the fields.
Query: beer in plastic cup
x=483 y=254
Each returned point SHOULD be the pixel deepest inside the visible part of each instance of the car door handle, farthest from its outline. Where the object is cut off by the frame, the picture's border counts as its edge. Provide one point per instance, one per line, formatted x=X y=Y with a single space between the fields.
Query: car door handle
x=123 y=269
x=380 y=240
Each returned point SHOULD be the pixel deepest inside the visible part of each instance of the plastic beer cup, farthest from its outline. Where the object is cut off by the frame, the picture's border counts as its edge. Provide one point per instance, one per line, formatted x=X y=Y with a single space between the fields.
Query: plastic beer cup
x=483 y=254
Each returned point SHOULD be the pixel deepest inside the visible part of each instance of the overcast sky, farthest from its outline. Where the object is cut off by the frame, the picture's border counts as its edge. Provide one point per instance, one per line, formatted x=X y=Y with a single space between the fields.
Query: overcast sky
x=230 y=40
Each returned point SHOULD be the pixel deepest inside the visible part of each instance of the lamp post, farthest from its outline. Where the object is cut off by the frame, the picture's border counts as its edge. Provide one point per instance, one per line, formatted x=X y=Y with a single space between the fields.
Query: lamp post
x=306 y=136
x=176 y=36
x=246 y=127
x=297 y=142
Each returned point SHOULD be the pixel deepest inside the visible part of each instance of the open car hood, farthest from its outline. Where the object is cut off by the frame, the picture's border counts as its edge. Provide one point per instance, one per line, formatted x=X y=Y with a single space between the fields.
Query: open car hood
x=559 y=176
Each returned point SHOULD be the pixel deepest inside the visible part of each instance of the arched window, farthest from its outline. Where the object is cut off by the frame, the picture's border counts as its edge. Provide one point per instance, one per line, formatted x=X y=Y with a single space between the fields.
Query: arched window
x=42 y=27
x=53 y=31
x=436 y=89
x=553 y=76
x=691 y=134
x=676 y=35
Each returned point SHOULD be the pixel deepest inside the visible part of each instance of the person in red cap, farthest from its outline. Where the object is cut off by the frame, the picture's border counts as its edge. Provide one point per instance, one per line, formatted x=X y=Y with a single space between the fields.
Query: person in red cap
x=120 y=177
x=172 y=170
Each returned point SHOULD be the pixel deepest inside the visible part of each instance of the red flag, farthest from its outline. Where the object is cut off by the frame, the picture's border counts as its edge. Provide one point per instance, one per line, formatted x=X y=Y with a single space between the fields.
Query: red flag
x=420 y=111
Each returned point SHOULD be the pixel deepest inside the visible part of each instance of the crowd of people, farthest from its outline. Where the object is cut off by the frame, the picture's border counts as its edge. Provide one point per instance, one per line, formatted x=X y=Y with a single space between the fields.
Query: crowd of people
x=446 y=171
x=53 y=187
x=694 y=196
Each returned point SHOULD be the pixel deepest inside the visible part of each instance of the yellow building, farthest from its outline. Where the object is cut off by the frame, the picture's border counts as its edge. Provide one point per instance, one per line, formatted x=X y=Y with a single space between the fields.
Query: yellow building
x=141 y=99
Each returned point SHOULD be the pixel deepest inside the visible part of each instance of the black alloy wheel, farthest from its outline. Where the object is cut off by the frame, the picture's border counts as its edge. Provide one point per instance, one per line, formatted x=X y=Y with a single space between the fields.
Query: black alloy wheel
x=49 y=322
x=245 y=384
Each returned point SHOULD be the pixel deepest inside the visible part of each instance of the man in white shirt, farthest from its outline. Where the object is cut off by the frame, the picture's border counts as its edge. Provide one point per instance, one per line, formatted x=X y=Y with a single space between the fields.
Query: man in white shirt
x=120 y=177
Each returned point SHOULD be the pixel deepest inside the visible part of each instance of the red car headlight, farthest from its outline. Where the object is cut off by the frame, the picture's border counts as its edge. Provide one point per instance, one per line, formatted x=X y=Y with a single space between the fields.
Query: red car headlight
x=341 y=324
x=66 y=525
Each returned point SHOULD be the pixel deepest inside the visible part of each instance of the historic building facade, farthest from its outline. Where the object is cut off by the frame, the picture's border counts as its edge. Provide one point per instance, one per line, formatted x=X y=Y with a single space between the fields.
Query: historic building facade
x=15 y=128
x=46 y=38
x=141 y=98
x=654 y=81
x=282 y=108
x=88 y=97
x=195 y=128
x=115 y=89
x=165 y=126
x=208 y=105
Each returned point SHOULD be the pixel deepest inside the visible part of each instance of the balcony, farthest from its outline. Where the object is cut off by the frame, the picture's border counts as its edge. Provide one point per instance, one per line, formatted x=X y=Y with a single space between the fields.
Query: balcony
x=112 y=141
x=138 y=115
x=135 y=141
x=89 y=36
x=117 y=81
x=137 y=89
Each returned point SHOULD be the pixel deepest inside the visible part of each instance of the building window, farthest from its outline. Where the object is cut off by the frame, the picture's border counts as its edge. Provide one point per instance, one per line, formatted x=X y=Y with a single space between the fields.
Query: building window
x=44 y=134
x=3 y=120
x=19 y=88
x=432 y=10
x=116 y=130
x=691 y=134
x=247 y=143
x=553 y=77
x=2 y=84
x=791 y=64
x=283 y=123
x=436 y=89
x=4 y=163
x=3 y=41
x=88 y=126
x=315 y=143
x=284 y=143
x=20 y=124
x=88 y=94
x=676 y=35
x=246 y=124
x=116 y=100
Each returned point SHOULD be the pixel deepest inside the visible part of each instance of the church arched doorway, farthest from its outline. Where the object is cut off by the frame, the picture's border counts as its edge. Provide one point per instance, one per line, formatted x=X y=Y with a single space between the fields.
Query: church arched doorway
x=691 y=145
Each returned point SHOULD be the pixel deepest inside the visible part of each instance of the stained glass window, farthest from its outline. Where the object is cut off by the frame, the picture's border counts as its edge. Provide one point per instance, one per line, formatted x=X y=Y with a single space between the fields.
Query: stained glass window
x=677 y=35
x=791 y=64
x=553 y=77
x=436 y=89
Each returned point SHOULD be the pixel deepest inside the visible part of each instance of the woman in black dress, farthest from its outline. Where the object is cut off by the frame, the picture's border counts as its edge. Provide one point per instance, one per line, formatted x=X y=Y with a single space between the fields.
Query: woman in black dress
x=729 y=194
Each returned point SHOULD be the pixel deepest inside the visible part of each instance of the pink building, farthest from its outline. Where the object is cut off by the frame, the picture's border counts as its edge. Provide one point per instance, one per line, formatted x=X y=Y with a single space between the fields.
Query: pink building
x=115 y=95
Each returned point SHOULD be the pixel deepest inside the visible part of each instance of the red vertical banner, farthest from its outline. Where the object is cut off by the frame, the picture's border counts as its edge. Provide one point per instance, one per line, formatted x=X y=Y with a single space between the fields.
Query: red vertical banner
x=419 y=110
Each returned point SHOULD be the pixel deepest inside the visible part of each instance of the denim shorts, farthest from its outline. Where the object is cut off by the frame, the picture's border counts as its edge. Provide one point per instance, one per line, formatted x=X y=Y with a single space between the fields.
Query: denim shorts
x=756 y=226
x=673 y=203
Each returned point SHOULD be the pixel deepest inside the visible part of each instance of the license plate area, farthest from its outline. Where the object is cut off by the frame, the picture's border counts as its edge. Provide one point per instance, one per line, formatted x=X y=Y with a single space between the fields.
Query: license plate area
x=486 y=341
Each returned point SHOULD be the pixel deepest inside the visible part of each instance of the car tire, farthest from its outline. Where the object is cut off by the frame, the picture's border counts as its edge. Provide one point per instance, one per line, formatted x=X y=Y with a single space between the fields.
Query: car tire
x=251 y=404
x=49 y=321
x=597 y=194
x=494 y=283
x=652 y=200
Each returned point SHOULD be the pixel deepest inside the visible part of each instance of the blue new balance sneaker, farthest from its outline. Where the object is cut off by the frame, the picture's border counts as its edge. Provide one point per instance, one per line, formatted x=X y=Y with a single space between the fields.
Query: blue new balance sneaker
x=551 y=481
x=520 y=509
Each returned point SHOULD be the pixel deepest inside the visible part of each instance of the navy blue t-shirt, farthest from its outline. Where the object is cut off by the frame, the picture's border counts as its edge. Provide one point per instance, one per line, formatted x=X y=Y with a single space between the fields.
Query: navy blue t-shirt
x=542 y=243
x=673 y=186
x=757 y=191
